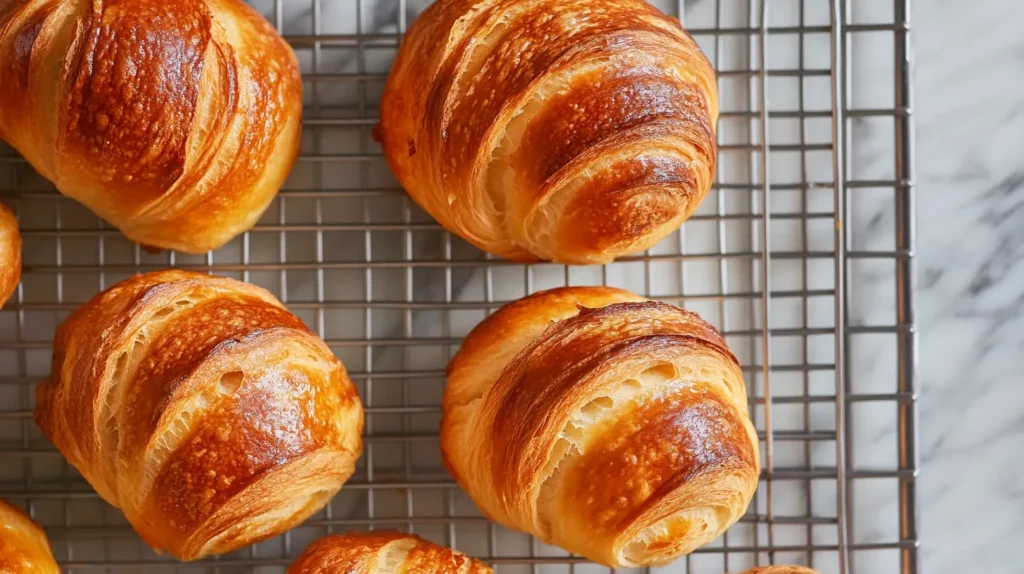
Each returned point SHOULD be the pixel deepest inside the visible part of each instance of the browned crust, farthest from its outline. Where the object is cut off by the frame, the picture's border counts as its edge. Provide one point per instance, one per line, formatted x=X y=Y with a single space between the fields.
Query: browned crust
x=23 y=545
x=573 y=360
x=10 y=253
x=600 y=104
x=619 y=421
x=538 y=309
x=673 y=440
x=564 y=80
x=360 y=553
x=203 y=409
x=176 y=122
x=132 y=95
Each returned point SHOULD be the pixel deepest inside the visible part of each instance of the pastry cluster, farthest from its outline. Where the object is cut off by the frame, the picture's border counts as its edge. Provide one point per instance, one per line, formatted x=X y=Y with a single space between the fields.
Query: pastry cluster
x=574 y=131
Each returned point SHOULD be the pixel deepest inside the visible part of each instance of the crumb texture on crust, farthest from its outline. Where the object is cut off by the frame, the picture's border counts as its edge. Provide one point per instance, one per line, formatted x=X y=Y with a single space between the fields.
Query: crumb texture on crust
x=176 y=122
x=383 y=552
x=576 y=131
x=612 y=426
x=203 y=409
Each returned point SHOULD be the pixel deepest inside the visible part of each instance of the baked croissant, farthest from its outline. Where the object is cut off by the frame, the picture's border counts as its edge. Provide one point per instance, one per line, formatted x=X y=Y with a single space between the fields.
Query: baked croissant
x=175 y=121
x=575 y=131
x=23 y=546
x=202 y=408
x=10 y=254
x=382 y=552
x=611 y=426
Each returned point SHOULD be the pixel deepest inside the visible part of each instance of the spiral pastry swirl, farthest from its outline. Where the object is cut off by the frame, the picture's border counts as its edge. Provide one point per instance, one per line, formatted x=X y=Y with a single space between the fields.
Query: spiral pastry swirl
x=576 y=131
x=611 y=426
x=203 y=409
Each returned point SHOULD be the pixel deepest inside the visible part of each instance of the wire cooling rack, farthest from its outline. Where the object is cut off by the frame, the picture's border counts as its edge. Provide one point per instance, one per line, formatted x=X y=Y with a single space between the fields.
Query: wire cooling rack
x=802 y=254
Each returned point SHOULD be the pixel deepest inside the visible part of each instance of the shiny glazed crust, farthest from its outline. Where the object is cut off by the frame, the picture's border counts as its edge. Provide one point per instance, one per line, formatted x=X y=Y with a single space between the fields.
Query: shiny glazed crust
x=10 y=254
x=202 y=408
x=576 y=131
x=23 y=546
x=383 y=552
x=174 y=120
x=611 y=426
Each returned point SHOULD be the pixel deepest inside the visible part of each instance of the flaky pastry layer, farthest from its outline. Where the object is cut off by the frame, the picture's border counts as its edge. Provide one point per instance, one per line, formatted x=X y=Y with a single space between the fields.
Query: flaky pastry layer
x=383 y=552
x=576 y=131
x=203 y=409
x=176 y=122
x=611 y=426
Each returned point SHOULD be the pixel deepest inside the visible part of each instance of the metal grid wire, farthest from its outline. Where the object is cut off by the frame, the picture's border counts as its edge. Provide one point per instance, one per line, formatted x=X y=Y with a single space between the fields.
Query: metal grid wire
x=816 y=303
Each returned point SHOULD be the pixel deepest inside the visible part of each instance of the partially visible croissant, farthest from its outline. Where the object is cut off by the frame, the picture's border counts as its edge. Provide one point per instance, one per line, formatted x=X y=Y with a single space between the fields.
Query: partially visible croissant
x=23 y=546
x=383 y=552
x=176 y=121
x=576 y=131
x=611 y=426
x=202 y=408
x=10 y=254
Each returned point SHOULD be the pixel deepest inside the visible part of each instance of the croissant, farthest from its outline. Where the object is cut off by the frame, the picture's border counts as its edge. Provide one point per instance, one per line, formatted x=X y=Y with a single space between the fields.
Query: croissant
x=23 y=546
x=201 y=408
x=576 y=131
x=611 y=426
x=174 y=121
x=10 y=254
x=382 y=552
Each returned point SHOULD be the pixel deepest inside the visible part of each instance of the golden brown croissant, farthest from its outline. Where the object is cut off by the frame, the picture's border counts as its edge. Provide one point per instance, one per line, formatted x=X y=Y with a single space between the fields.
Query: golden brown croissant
x=23 y=546
x=382 y=552
x=176 y=121
x=10 y=254
x=576 y=131
x=202 y=408
x=611 y=426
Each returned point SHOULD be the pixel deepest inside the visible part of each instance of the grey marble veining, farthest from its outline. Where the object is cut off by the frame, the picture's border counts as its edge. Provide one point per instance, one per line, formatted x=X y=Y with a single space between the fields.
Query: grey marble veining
x=970 y=135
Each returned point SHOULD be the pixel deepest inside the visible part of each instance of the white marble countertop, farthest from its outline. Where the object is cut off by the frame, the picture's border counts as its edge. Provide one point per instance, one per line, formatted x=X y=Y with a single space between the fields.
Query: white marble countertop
x=970 y=159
